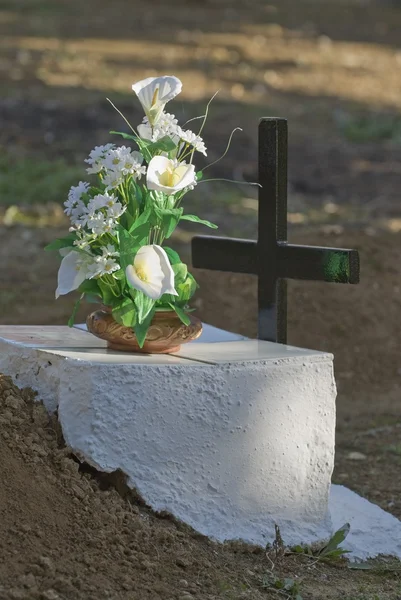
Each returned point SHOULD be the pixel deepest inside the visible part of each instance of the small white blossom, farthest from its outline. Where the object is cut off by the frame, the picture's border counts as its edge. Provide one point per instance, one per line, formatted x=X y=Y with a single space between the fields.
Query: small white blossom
x=100 y=201
x=110 y=225
x=84 y=240
x=167 y=125
x=115 y=157
x=74 y=204
x=113 y=179
x=109 y=250
x=95 y=222
x=116 y=210
x=146 y=132
x=122 y=161
x=139 y=171
x=77 y=212
x=103 y=265
x=96 y=158
x=97 y=202
x=189 y=137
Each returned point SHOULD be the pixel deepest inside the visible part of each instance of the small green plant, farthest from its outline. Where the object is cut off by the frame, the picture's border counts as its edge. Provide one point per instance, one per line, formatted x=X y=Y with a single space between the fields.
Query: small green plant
x=289 y=587
x=286 y=587
x=331 y=551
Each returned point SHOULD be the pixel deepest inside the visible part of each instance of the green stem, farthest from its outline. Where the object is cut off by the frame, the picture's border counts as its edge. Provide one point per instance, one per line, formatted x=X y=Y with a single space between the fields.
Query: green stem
x=112 y=283
x=121 y=114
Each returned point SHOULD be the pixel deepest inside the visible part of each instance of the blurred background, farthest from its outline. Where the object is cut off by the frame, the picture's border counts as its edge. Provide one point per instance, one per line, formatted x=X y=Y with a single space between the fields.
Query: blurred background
x=331 y=67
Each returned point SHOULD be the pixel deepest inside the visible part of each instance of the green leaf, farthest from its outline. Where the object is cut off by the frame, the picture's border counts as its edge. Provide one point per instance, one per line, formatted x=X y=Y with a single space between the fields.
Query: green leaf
x=362 y=566
x=165 y=144
x=141 y=329
x=288 y=583
x=64 y=242
x=109 y=298
x=126 y=136
x=130 y=244
x=92 y=299
x=173 y=256
x=135 y=197
x=124 y=312
x=180 y=273
x=181 y=314
x=186 y=289
x=141 y=220
x=168 y=218
x=336 y=540
x=199 y=175
x=89 y=286
x=119 y=275
x=144 y=305
x=140 y=236
x=196 y=219
x=71 y=320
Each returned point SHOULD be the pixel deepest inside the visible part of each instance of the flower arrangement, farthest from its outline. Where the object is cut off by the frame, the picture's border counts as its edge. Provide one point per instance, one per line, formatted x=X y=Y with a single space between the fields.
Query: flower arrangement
x=115 y=252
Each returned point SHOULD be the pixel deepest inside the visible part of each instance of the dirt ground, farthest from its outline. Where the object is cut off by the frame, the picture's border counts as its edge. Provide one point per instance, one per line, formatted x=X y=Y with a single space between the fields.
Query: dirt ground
x=68 y=535
x=332 y=68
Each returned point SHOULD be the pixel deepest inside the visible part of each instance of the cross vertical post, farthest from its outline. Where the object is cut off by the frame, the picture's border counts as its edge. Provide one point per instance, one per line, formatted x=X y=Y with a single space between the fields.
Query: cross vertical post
x=272 y=228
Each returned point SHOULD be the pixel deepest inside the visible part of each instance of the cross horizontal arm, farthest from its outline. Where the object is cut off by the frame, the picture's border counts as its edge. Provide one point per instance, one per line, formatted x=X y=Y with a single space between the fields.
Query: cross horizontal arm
x=311 y=263
x=316 y=263
x=224 y=254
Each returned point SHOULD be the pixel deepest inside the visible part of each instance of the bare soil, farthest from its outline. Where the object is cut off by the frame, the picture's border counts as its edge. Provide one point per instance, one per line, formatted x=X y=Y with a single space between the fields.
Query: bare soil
x=68 y=533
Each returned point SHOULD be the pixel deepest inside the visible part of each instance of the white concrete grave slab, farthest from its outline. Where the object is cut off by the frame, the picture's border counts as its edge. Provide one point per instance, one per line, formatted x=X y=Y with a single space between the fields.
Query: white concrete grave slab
x=230 y=435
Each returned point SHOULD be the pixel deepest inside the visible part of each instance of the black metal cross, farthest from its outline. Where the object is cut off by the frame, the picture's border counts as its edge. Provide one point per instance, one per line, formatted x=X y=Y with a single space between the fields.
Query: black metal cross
x=272 y=258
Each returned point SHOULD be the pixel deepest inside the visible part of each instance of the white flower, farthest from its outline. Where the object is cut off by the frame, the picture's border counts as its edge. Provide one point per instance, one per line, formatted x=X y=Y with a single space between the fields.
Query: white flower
x=97 y=202
x=96 y=158
x=108 y=201
x=116 y=210
x=154 y=92
x=147 y=133
x=77 y=212
x=109 y=225
x=151 y=272
x=74 y=202
x=99 y=224
x=113 y=179
x=83 y=240
x=116 y=158
x=139 y=171
x=166 y=125
x=168 y=175
x=131 y=163
x=189 y=137
x=103 y=265
x=72 y=272
x=109 y=250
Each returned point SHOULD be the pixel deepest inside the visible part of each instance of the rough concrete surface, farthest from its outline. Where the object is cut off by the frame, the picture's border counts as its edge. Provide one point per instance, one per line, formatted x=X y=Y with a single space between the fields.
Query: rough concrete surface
x=229 y=448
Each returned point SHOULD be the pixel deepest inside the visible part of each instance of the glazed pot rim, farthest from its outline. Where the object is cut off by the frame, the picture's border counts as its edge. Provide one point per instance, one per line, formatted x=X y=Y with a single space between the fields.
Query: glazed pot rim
x=109 y=309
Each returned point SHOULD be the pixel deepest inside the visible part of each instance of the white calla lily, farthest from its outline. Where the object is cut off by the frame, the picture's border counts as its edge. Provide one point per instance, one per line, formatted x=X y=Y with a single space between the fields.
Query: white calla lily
x=151 y=272
x=71 y=274
x=169 y=175
x=154 y=93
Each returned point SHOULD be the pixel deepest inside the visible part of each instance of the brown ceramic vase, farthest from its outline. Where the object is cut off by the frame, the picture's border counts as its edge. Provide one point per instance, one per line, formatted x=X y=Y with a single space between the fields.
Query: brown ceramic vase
x=165 y=334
